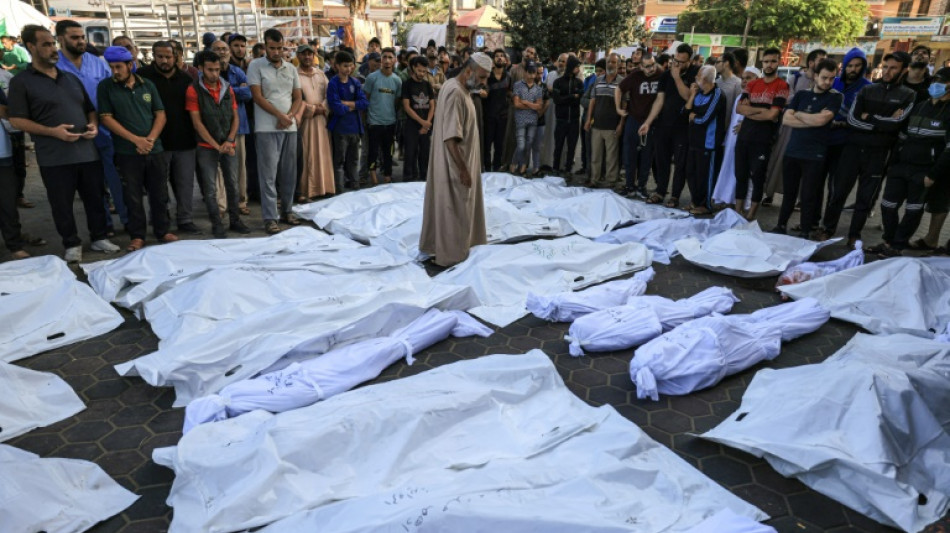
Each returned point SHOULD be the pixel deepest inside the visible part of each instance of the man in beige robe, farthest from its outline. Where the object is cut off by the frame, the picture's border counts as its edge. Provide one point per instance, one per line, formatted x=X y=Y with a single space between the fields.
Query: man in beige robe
x=453 y=218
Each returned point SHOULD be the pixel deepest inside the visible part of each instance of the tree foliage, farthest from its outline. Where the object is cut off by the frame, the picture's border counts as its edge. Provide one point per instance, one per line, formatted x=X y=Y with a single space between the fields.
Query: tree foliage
x=774 y=21
x=556 y=26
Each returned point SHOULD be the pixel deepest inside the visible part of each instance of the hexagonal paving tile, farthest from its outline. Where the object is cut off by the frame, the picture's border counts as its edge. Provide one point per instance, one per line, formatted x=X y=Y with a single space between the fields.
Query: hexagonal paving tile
x=126 y=419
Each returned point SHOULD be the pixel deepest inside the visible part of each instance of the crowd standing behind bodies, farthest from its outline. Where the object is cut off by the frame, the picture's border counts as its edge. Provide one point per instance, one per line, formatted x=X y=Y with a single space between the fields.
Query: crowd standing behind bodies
x=267 y=121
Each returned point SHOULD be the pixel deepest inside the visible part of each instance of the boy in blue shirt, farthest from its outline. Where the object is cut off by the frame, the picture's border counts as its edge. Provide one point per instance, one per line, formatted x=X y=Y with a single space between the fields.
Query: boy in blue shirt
x=346 y=99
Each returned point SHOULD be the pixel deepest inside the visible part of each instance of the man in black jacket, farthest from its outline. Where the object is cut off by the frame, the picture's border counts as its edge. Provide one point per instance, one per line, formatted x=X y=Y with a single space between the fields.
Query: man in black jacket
x=876 y=116
x=918 y=151
x=567 y=93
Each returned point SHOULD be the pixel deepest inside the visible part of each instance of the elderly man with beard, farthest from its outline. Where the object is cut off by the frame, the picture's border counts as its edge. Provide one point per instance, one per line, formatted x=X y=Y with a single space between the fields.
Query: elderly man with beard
x=178 y=136
x=875 y=118
x=454 y=212
x=131 y=107
x=706 y=107
x=53 y=107
x=90 y=70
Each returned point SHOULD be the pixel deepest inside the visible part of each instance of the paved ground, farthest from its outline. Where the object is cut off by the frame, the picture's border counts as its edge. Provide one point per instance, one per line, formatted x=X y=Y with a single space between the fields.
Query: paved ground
x=126 y=419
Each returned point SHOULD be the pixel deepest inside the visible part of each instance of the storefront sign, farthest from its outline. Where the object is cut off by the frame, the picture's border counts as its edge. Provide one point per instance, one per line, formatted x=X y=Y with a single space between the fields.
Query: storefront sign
x=660 y=24
x=902 y=27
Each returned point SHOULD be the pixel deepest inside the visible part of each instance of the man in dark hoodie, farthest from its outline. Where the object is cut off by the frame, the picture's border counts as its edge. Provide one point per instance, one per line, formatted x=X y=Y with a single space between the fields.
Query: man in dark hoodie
x=876 y=116
x=849 y=84
x=566 y=93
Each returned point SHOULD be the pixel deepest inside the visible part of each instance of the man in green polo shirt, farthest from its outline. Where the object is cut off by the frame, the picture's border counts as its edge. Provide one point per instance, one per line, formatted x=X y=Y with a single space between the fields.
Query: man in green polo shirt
x=131 y=108
x=15 y=57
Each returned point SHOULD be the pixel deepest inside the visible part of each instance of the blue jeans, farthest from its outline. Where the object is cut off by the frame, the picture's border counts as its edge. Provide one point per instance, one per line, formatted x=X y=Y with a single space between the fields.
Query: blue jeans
x=536 y=147
x=637 y=157
x=524 y=140
x=276 y=169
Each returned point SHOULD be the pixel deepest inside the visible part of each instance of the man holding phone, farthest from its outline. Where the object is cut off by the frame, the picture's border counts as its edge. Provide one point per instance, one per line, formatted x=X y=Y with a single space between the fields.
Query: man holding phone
x=53 y=107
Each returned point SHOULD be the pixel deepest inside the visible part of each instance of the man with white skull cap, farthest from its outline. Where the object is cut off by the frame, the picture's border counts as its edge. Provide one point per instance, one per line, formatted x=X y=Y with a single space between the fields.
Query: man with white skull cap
x=454 y=212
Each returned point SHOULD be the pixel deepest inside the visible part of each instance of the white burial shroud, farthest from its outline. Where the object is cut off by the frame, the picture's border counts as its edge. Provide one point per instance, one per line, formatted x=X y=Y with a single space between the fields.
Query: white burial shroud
x=496 y=443
x=230 y=321
x=43 y=306
x=569 y=306
x=808 y=271
x=899 y=295
x=61 y=495
x=641 y=319
x=748 y=252
x=727 y=521
x=867 y=427
x=502 y=275
x=700 y=353
x=337 y=371
x=661 y=235
x=598 y=212
x=33 y=399
x=135 y=278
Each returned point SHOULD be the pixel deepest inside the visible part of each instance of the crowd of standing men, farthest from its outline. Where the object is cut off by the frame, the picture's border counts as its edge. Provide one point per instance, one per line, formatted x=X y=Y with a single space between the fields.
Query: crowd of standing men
x=281 y=127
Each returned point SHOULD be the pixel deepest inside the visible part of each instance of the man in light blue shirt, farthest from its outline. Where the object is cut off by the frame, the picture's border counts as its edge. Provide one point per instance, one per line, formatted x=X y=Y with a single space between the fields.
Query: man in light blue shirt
x=383 y=88
x=90 y=70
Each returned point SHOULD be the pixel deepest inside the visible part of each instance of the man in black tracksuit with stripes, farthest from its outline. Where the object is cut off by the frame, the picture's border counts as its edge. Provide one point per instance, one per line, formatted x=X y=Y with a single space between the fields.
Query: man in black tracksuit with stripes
x=918 y=150
x=876 y=116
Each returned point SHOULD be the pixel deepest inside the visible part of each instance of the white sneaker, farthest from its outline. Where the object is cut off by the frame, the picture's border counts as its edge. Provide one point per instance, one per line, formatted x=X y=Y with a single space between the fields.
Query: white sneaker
x=105 y=246
x=73 y=255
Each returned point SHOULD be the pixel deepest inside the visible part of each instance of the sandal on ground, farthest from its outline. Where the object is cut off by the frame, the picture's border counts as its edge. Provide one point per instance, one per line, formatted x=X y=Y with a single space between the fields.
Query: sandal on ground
x=699 y=211
x=20 y=254
x=169 y=237
x=135 y=245
x=878 y=248
x=921 y=245
x=245 y=211
x=655 y=199
x=302 y=200
x=673 y=202
x=890 y=252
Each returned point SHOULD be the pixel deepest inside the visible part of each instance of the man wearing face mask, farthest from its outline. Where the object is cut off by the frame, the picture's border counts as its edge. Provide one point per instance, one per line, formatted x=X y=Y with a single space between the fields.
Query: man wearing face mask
x=876 y=116
x=915 y=161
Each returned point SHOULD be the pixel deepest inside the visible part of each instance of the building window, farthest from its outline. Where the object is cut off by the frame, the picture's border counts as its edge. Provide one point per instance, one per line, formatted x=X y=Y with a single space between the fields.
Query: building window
x=924 y=8
x=905 y=8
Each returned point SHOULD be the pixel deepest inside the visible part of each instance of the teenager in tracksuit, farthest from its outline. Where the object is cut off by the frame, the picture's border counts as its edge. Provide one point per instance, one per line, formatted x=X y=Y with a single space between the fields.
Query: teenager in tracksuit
x=876 y=116
x=567 y=93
